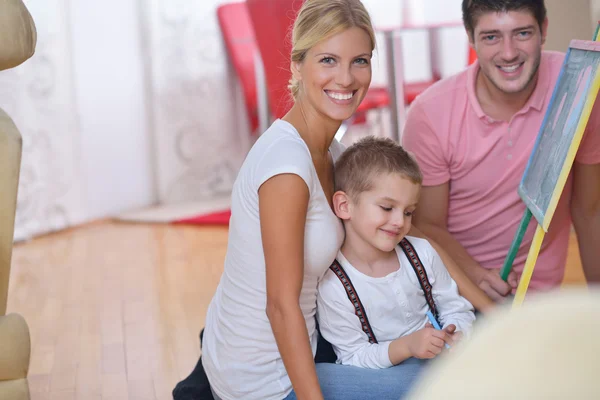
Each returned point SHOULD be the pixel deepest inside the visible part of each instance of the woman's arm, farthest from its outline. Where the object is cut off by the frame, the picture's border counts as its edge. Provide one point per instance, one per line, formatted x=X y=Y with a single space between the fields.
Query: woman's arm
x=466 y=286
x=283 y=204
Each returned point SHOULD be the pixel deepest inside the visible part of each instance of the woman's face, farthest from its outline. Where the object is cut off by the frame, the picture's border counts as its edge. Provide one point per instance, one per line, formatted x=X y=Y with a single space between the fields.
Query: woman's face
x=335 y=74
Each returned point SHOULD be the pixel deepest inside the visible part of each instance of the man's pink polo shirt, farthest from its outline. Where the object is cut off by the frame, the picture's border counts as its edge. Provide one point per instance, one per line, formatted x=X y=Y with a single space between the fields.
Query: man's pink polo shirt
x=483 y=160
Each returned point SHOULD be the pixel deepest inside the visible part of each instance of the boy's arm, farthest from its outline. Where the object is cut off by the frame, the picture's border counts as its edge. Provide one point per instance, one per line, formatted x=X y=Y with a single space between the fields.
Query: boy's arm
x=340 y=326
x=452 y=307
x=466 y=286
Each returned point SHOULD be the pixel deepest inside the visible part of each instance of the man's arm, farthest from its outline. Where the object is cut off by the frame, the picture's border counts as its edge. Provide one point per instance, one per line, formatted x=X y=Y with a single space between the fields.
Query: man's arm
x=431 y=218
x=585 y=212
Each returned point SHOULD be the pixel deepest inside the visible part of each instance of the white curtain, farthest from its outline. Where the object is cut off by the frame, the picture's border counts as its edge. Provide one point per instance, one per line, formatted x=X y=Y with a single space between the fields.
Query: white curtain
x=38 y=95
x=200 y=130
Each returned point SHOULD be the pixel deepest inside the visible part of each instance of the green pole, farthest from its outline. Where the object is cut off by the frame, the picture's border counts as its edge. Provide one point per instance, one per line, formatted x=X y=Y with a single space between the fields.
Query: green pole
x=514 y=247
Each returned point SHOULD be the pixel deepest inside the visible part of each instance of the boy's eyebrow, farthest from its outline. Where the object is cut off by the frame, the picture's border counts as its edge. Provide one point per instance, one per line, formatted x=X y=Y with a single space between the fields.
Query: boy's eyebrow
x=391 y=200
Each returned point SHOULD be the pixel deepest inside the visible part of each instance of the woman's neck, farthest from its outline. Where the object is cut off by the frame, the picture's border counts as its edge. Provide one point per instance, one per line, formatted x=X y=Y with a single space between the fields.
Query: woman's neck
x=316 y=130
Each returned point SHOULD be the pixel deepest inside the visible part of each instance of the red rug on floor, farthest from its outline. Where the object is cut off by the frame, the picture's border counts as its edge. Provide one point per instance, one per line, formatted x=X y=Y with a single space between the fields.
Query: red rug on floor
x=217 y=218
x=215 y=211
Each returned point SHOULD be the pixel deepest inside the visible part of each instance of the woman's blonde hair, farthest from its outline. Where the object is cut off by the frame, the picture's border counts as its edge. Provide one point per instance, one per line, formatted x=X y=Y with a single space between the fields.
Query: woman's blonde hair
x=319 y=19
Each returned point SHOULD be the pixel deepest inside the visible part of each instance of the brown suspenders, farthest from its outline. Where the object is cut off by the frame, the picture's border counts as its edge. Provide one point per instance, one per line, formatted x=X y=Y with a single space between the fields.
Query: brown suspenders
x=359 y=310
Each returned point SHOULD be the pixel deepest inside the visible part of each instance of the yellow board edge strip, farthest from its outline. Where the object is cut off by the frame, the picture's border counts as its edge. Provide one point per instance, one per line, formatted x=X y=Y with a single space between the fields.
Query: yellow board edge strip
x=534 y=251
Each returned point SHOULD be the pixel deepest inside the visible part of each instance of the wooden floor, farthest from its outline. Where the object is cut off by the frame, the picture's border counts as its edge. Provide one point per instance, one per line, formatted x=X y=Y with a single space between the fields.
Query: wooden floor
x=115 y=309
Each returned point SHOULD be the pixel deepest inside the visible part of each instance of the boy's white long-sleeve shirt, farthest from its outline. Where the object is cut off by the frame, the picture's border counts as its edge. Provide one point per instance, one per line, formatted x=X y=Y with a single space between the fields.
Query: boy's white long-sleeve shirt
x=395 y=306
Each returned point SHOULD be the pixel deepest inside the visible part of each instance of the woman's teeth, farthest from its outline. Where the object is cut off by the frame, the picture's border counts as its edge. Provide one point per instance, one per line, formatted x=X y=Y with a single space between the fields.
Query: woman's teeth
x=340 y=96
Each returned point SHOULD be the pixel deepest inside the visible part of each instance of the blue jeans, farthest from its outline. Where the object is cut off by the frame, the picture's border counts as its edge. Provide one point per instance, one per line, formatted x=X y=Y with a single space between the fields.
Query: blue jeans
x=343 y=382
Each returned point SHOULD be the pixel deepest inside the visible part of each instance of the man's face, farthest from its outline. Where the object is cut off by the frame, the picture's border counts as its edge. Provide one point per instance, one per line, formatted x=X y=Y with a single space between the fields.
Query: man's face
x=509 y=49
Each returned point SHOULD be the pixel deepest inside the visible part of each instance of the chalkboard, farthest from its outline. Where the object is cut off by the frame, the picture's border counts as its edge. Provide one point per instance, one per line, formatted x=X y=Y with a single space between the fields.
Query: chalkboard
x=561 y=130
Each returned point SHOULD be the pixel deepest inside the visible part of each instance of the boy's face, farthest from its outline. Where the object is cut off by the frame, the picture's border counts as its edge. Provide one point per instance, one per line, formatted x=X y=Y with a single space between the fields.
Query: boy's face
x=382 y=216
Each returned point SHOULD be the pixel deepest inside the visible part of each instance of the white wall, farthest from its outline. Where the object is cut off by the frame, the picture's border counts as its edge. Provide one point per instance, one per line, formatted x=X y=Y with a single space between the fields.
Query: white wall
x=110 y=91
x=453 y=46
x=567 y=21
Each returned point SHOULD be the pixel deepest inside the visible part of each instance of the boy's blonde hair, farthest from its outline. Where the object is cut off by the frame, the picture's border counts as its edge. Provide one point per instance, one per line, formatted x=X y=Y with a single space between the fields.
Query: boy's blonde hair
x=369 y=157
x=319 y=19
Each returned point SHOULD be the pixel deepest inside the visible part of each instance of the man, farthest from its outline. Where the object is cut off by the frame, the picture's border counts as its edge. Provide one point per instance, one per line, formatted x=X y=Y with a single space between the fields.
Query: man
x=473 y=134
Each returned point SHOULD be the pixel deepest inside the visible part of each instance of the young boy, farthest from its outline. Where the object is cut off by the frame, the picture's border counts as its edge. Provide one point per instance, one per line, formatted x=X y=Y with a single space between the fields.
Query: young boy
x=372 y=303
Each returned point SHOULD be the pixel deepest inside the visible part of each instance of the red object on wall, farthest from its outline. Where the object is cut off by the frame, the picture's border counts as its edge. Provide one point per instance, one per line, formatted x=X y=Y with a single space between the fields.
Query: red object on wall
x=240 y=43
x=472 y=55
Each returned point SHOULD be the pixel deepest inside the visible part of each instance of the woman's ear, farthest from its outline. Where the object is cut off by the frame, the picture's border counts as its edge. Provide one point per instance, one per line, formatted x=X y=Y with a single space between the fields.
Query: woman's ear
x=341 y=204
x=295 y=68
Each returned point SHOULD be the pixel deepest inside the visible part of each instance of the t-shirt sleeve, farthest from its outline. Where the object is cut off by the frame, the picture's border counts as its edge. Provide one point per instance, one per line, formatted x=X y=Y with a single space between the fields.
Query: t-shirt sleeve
x=419 y=138
x=285 y=156
x=589 y=149
x=336 y=148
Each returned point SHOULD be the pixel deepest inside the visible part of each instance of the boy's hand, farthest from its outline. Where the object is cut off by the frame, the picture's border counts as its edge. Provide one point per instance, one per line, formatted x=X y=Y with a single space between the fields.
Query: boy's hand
x=427 y=342
x=453 y=336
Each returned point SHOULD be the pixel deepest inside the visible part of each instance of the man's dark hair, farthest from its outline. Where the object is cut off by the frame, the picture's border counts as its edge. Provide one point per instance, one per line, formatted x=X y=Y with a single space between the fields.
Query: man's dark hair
x=473 y=9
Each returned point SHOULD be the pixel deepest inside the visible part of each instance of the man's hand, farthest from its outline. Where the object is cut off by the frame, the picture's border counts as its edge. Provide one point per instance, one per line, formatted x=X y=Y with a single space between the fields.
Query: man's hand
x=490 y=282
x=427 y=342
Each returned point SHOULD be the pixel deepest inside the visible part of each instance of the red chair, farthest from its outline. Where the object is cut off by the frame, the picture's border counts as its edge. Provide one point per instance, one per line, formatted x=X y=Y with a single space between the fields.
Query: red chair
x=240 y=43
x=272 y=22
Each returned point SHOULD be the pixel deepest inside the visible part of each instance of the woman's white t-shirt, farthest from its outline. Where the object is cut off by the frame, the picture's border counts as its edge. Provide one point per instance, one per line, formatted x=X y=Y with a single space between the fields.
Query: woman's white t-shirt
x=239 y=352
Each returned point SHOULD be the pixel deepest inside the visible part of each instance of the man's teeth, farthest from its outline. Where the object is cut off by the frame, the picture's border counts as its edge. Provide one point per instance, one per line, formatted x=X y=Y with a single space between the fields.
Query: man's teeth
x=340 y=96
x=511 y=68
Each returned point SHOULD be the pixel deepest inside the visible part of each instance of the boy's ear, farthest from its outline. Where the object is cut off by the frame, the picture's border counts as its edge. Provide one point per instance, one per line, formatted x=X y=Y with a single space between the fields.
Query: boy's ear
x=341 y=204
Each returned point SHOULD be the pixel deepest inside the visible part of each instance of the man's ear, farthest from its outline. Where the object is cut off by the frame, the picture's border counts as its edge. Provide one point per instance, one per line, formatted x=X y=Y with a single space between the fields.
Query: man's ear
x=470 y=37
x=544 y=30
x=341 y=204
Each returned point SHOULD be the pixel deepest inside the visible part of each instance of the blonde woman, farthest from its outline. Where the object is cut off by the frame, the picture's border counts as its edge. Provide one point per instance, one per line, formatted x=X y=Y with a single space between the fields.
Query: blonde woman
x=260 y=337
